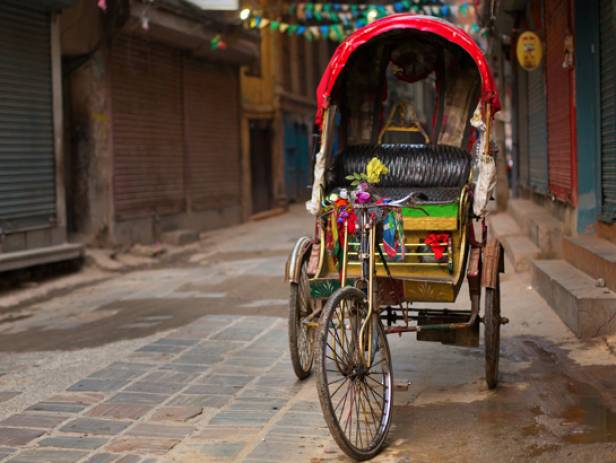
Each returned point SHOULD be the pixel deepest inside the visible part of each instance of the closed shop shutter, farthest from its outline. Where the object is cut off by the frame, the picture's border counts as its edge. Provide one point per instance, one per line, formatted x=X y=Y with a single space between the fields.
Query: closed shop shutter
x=537 y=132
x=608 y=109
x=148 y=162
x=559 y=111
x=27 y=166
x=522 y=126
x=212 y=134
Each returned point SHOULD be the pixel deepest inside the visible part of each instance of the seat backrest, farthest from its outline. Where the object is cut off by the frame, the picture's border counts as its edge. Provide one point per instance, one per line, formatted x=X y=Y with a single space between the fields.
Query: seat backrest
x=409 y=165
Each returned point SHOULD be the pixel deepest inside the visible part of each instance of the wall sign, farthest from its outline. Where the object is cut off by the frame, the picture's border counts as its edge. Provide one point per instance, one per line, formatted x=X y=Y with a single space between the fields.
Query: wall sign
x=529 y=50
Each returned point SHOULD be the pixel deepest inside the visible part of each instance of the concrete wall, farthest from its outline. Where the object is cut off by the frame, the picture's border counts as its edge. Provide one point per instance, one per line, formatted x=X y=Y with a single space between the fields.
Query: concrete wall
x=91 y=151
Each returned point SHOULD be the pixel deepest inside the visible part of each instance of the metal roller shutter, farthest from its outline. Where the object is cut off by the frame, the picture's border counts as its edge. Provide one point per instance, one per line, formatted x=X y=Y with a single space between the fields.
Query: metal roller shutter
x=559 y=111
x=147 y=115
x=212 y=134
x=522 y=125
x=537 y=132
x=27 y=165
x=608 y=109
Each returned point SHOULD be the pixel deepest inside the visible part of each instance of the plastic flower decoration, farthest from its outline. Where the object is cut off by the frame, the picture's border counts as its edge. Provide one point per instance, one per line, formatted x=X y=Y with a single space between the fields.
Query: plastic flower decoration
x=362 y=197
x=374 y=170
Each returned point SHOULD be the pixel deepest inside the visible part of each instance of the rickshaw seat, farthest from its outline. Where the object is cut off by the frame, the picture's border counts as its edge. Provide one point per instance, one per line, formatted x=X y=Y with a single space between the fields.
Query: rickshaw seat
x=414 y=167
x=433 y=195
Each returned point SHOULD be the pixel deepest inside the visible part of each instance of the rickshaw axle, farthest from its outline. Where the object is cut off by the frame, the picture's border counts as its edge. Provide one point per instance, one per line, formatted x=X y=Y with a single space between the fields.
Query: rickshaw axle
x=435 y=327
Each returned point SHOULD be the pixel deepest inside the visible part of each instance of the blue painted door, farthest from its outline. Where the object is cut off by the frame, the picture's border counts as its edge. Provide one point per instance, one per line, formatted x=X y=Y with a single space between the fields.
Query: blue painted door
x=296 y=160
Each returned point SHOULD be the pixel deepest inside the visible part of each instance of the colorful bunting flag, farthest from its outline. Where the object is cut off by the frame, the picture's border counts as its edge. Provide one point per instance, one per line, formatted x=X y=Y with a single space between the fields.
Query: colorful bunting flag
x=334 y=21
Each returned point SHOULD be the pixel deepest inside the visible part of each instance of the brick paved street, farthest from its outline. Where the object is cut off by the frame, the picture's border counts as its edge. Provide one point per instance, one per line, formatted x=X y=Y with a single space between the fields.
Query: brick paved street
x=205 y=390
x=189 y=362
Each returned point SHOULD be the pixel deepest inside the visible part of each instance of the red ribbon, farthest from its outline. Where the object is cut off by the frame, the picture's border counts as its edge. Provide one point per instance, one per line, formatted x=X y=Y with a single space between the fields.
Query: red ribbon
x=435 y=240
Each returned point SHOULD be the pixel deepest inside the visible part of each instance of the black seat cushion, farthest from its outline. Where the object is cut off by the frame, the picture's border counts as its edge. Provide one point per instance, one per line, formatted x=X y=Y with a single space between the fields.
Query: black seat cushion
x=432 y=195
x=410 y=166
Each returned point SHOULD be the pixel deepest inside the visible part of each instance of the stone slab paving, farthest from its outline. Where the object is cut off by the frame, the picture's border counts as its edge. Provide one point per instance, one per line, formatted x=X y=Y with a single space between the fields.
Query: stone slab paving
x=219 y=389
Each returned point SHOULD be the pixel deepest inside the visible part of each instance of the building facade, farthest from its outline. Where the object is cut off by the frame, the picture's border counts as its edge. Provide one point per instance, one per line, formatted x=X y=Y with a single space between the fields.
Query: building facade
x=563 y=147
x=563 y=112
x=278 y=102
x=154 y=112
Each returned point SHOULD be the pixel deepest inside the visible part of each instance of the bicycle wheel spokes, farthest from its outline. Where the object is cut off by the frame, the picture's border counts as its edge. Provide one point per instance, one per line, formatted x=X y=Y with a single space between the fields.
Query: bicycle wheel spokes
x=340 y=349
x=355 y=395
x=305 y=335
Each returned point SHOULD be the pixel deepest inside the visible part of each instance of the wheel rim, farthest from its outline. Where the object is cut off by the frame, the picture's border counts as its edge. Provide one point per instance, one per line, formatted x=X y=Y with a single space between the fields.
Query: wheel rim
x=359 y=394
x=305 y=335
x=492 y=335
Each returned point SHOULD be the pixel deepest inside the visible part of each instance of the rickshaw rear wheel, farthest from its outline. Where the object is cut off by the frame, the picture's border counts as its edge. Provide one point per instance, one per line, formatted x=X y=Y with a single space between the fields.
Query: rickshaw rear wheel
x=492 y=323
x=356 y=395
x=301 y=336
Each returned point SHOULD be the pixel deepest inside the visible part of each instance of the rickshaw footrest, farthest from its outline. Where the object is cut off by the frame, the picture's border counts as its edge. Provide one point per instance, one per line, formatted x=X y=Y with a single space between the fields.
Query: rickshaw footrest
x=465 y=337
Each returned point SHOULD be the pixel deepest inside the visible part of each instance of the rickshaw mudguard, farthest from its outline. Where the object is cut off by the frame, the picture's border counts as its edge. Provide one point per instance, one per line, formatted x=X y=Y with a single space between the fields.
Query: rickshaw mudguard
x=493 y=263
x=294 y=262
x=473 y=273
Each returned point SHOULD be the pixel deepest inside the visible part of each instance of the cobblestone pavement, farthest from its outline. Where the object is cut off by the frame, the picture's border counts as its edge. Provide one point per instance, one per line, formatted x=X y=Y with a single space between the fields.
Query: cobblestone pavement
x=190 y=363
x=206 y=390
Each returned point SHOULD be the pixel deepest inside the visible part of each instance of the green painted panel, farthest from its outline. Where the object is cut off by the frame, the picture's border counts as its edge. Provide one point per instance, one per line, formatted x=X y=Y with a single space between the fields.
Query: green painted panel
x=323 y=288
x=433 y=210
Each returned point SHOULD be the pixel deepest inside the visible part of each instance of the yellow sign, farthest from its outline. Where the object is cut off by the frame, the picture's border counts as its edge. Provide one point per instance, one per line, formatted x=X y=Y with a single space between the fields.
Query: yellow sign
x=529 y=50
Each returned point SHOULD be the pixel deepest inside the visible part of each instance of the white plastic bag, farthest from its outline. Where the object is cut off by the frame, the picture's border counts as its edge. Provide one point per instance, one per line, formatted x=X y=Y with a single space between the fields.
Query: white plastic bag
x=314 y=204
x=486 y=178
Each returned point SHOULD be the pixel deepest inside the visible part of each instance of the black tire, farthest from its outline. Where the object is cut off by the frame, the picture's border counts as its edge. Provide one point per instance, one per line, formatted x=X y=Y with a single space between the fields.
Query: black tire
x=492 y=324
x=301 y=338
x=341 y=374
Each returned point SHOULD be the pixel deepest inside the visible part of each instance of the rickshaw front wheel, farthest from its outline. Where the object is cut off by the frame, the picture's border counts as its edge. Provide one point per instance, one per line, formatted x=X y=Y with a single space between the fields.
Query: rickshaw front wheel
x=492 y=323
x=354 y=381
x=301 y=335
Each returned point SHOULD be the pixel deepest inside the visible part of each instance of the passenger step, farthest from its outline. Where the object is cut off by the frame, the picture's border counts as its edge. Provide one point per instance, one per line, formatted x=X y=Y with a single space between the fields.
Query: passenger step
x=594 y=256
x=588 y=310
x=539 y=225
x=519 y=249
x=503 y=224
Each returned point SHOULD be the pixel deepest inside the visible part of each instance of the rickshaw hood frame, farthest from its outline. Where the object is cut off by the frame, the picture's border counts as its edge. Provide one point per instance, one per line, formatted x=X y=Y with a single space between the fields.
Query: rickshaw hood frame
x=446 y=30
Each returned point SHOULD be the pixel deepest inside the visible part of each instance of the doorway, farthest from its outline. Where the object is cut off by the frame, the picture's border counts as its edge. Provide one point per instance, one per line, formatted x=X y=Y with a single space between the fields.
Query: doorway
x=296 y=160
x=261 y=164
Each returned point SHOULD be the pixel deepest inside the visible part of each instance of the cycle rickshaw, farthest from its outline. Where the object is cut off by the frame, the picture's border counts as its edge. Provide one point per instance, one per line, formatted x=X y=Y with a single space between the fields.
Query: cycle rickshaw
x=400 y=207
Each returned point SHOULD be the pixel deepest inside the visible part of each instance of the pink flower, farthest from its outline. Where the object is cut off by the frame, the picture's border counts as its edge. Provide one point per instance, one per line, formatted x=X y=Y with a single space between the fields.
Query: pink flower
x=362 y=197
x=363 y=186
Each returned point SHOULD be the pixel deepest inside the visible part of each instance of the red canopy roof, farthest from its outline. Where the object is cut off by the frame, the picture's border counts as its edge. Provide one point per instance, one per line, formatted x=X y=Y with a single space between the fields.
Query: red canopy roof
x=404 y=21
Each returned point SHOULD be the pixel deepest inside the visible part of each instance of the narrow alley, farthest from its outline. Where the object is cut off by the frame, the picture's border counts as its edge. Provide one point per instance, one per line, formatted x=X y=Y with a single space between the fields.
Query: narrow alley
x=189 y=362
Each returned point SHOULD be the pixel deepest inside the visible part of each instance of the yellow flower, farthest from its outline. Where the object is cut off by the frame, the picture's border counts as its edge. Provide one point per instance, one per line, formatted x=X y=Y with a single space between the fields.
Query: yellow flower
x=374 y=170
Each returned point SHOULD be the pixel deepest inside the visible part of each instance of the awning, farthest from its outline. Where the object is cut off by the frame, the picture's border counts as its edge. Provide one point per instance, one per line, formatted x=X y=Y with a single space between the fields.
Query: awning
x=193 y=34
